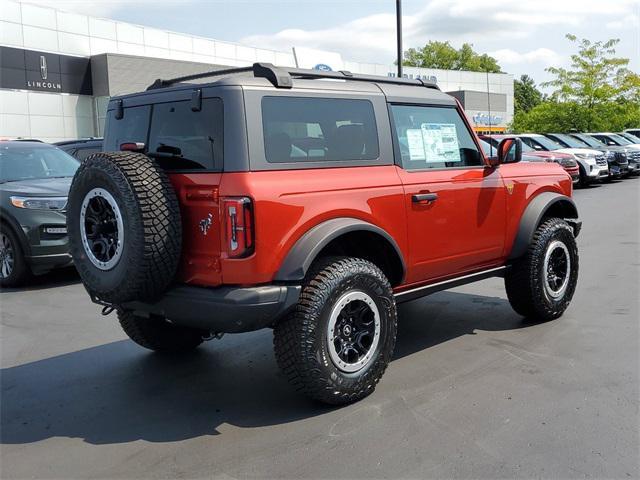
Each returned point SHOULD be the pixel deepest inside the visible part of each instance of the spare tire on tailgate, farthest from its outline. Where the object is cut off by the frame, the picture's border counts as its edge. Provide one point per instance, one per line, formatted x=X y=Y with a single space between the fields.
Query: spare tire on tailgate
x=125 y=233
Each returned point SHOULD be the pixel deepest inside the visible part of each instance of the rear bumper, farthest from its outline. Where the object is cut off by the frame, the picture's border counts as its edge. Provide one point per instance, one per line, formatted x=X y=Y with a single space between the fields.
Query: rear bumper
x=222 y=309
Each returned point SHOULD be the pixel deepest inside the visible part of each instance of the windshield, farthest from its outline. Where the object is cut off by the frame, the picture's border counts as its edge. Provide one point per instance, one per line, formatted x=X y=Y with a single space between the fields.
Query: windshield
x=547 y=143
x=619 y=140
x=570 y=141
x=630 y=137
x=489 y=150
x=590 y=141
x=496 y=141
x=26 y=163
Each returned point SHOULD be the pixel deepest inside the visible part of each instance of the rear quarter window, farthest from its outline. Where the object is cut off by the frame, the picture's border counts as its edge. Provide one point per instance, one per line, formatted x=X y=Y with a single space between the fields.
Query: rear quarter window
x=298 y=129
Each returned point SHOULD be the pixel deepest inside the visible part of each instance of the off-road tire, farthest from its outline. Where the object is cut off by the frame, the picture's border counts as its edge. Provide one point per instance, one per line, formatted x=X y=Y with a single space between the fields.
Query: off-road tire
x=159 y=335
x=152 y=226
x=525 y=279
x=300 y=340
x=20 y=272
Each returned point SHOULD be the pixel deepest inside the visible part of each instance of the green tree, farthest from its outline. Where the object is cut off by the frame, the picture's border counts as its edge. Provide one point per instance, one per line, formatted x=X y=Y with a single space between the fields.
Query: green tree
x=596 y=77
x=525 y=94
x=597 y=92
x=550 y=116
x=442 y=55
x=572 y=116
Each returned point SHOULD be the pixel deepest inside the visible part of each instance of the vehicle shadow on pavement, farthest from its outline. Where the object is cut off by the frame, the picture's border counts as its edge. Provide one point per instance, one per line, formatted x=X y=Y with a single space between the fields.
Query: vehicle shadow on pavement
x=56 y=278
x=118 y=392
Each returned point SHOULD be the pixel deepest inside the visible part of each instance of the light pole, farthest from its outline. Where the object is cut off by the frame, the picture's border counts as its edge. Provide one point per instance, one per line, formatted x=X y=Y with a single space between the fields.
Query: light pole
x=399 y=35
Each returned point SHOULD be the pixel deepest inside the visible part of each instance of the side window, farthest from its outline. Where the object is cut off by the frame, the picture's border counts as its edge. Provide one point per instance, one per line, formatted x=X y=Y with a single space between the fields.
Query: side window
x=132 y=127
x=530 y=143
x=181 y=139
x=300 y=129
x=433 y=137
x=82 y=153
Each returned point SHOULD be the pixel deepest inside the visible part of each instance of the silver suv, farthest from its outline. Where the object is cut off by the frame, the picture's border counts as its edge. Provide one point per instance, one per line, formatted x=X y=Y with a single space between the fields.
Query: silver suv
x=593 y=163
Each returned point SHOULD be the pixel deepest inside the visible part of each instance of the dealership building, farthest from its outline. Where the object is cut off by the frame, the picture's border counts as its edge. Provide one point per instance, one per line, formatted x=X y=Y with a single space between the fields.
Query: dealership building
x=59 y=69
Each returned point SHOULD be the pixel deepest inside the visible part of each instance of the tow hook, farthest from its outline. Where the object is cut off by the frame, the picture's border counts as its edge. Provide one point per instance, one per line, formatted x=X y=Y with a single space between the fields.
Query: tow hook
x=107 y=309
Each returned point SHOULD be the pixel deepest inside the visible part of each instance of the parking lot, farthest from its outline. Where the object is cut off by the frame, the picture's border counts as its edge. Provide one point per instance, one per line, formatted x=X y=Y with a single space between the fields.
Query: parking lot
x=473 y=391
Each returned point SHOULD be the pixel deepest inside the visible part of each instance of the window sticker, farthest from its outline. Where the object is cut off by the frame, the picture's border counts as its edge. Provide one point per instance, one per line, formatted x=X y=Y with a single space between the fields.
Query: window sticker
x=415 y=142
x=440 y=142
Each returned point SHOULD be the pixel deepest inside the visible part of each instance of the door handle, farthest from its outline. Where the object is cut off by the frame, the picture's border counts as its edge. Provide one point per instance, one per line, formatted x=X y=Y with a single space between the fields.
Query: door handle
x=424 y=197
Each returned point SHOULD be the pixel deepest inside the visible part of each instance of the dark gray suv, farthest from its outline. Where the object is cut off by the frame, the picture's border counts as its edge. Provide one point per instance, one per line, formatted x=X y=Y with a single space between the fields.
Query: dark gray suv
x=34 y=183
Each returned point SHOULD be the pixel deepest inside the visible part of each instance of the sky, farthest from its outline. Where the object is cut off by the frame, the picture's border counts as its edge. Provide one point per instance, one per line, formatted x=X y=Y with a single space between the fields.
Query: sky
x=525 y=36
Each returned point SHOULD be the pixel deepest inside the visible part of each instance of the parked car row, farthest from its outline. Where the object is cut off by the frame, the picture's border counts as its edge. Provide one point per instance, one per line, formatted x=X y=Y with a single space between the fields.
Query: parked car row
x=587 y=157
x=35 y=179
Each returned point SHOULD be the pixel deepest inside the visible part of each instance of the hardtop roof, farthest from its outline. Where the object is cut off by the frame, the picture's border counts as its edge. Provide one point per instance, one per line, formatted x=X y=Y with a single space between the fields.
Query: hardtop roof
x=398 y=90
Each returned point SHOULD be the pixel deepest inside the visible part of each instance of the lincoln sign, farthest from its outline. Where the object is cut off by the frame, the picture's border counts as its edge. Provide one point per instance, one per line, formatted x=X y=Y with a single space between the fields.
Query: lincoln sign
x=32 y=70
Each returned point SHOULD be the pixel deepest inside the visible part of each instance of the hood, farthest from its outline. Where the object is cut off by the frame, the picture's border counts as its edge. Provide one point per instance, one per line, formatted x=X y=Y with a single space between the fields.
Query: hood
x=546 y=154
x=48 y=187
x=584 y=151
x=613 y=148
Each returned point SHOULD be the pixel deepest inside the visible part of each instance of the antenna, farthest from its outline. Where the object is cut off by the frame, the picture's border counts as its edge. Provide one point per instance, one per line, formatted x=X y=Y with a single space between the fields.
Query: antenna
x=399 y=35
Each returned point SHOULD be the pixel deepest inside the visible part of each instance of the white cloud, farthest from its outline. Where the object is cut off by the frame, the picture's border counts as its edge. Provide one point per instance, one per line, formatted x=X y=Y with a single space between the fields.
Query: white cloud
x=103 y=8
x=96 y=8
x=545 y=56
x=372 y=38
x=627 y=22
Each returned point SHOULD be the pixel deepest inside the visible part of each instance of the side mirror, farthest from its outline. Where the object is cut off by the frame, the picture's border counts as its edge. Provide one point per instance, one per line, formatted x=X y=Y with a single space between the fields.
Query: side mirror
x=509 y=151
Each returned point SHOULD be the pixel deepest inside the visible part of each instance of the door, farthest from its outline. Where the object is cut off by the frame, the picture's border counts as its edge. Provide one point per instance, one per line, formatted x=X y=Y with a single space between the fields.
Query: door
x=187 y=144
x=455 y=204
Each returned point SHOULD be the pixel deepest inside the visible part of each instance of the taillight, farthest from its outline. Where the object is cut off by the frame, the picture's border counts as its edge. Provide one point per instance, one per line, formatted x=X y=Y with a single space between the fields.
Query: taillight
x=132 y=147
x=238 y=214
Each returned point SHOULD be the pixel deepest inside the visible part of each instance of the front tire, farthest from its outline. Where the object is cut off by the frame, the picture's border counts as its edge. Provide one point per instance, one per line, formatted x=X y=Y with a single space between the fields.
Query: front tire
x=335 y=346
x=157 y=334
x=541 y=284
x=584 y=180
x=14 y=270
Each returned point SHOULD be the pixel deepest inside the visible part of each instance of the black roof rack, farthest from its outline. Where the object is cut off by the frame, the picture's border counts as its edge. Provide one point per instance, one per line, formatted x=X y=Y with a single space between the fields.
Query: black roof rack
x=281 y=77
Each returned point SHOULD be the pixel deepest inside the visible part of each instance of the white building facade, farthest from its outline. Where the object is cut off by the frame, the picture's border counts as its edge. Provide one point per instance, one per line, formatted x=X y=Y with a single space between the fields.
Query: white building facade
x=58 y=70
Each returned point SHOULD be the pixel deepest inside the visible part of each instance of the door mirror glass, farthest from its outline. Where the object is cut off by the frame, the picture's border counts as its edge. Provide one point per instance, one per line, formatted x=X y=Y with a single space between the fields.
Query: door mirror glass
x=510 y=150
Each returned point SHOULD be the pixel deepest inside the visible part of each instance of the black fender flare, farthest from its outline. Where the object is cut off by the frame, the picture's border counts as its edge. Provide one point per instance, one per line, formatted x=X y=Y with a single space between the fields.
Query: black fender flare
x=12 y=223
x=533 y=214
x=306 y=249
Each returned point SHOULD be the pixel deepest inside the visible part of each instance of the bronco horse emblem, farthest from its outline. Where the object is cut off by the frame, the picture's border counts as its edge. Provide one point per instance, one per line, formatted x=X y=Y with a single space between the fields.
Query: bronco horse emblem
x=205 y=224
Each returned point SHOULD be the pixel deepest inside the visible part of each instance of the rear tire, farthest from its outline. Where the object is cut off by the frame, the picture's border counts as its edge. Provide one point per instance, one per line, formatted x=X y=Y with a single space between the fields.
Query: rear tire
x=157 y=334
x=125 y=231
x=541 y=284
x=335 y=346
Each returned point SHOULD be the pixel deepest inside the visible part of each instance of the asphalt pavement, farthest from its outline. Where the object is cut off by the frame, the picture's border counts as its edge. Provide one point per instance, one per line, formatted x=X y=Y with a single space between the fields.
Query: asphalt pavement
x=473 y=390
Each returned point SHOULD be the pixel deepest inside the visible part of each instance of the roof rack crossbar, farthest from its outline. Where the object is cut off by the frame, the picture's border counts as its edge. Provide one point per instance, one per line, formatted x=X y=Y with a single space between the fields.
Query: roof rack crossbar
x=282 y=77
x=347 y=75
x=160 y=83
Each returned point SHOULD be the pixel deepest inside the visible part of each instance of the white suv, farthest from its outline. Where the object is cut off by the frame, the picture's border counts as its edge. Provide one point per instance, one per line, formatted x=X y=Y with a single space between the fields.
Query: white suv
x=593 y=163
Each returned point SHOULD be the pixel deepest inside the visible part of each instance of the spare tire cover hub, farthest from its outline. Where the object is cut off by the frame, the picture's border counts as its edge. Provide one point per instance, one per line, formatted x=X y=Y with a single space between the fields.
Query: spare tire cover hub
x=101 y=228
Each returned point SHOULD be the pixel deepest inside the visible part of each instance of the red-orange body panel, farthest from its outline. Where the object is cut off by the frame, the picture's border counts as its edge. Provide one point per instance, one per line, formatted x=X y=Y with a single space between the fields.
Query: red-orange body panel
x=472 y=225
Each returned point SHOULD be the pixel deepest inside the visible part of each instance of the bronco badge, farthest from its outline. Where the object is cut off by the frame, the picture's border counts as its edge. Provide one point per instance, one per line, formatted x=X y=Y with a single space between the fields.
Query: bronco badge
x=205 y=224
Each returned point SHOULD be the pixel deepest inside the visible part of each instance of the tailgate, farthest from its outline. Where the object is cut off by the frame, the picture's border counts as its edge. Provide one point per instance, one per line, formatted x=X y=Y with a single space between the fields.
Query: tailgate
x=201 y=227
